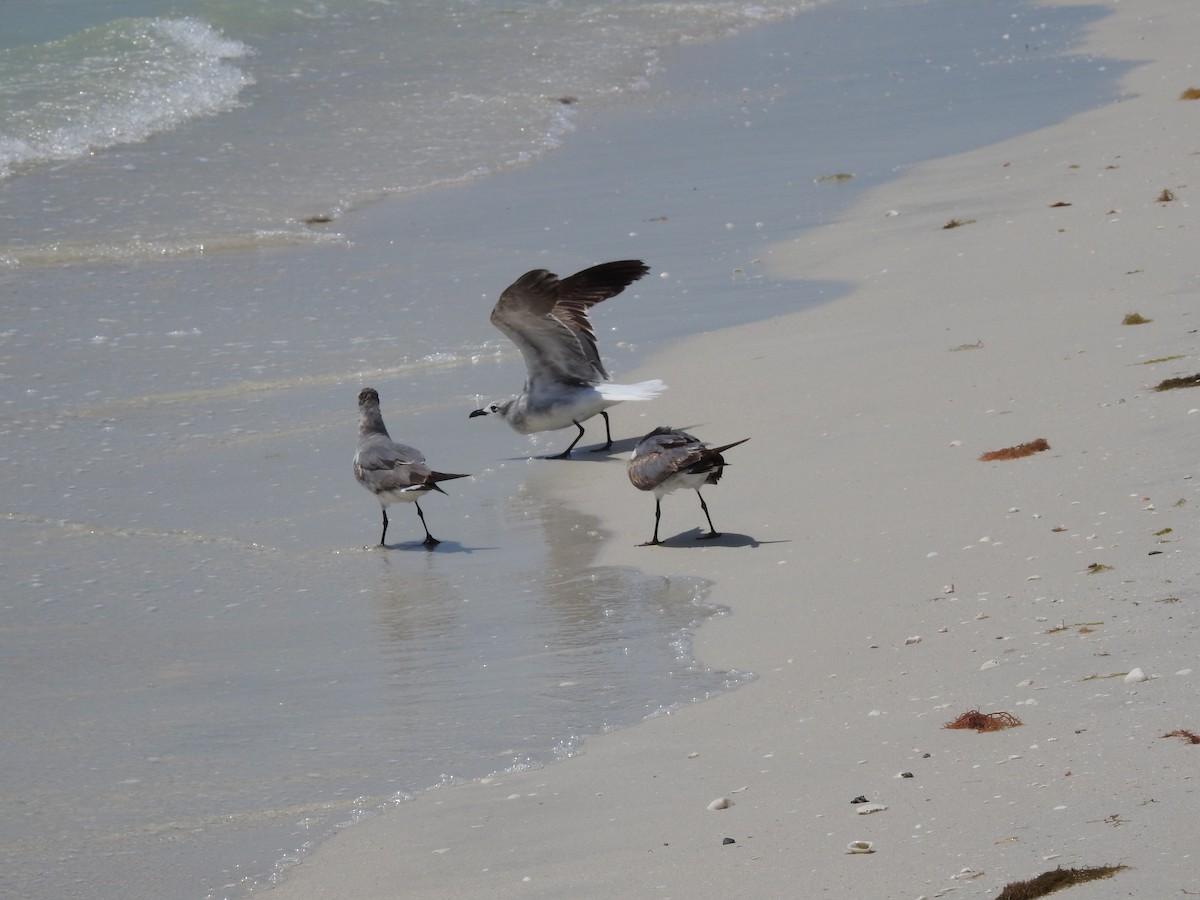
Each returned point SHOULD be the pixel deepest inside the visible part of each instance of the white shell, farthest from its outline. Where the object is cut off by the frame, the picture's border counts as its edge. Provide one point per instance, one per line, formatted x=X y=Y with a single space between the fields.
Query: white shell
x=720 y=803
x=860 y=847
x=1135 y=676
x=865 y=809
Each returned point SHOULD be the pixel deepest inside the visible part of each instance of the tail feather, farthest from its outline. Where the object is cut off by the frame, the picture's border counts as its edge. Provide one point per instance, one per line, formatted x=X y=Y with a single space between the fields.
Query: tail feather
x=643 y=390
x=432 y=479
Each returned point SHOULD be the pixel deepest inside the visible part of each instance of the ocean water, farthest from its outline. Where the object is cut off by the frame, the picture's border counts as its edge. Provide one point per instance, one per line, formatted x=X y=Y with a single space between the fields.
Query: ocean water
x=219 y=220
x=226 y=124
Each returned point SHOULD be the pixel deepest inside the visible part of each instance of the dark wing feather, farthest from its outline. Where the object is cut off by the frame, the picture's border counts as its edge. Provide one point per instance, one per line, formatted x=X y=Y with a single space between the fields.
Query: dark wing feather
x=547 y=318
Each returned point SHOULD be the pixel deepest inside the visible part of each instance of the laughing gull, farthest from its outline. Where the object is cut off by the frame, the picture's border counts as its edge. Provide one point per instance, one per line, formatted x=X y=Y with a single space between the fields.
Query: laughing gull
x=394 y=473
x=565 y=383
x=668 y=459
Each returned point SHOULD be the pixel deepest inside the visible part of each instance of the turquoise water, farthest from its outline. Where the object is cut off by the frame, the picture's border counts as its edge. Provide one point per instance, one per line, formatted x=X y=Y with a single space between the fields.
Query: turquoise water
x=129 y=130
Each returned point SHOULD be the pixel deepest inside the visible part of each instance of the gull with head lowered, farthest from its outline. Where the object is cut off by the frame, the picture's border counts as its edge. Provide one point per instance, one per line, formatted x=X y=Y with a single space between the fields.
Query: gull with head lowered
x=668 y=459
x=394 y=473
x=565 y=382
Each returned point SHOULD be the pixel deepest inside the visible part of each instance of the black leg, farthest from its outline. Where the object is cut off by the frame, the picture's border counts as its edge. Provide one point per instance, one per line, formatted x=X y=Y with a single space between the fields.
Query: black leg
x=385 y=525
x=657 y=515
x=430 y=540
x=712 y=532
x=567 y=452
x=607 y=434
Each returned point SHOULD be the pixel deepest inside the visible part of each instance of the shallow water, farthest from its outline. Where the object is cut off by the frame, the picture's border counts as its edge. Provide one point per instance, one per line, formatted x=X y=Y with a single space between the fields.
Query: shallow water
x=207 y=667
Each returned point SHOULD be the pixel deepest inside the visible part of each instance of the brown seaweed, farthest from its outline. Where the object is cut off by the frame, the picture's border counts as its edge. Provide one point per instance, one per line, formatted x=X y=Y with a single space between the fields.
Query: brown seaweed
x=1026 y=449
x=1056 y=880
x=1172 y=383
x=1187 y=736
x=981 y=721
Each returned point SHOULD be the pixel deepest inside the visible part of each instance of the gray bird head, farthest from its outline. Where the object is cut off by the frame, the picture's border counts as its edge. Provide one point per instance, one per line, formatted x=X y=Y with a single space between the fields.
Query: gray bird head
x=368 y=397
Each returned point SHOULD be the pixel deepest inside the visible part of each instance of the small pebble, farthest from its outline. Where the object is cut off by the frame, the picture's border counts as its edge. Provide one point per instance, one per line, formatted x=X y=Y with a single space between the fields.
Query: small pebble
x=861 y=798
x=1136 y=676
x=906 y=774
x=728 y=841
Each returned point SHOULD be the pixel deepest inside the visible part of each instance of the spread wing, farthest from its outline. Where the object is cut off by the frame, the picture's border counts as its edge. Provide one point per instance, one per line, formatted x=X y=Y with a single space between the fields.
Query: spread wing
x=547 y=318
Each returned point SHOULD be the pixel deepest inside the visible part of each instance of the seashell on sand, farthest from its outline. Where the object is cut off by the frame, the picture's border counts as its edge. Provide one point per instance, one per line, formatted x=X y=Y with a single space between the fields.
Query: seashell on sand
x=865 y=809
x=1136 y=676
x=720 y=803
x=860 y=847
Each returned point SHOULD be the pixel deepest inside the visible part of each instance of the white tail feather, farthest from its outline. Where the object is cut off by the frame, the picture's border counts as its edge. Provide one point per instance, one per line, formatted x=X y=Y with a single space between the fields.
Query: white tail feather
x=643 y=390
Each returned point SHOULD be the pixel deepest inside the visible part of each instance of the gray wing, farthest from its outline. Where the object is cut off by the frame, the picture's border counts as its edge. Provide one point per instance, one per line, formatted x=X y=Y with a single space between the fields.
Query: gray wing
x=660 y=454
x=667 y=451
x=547 y=318
x=384 y=465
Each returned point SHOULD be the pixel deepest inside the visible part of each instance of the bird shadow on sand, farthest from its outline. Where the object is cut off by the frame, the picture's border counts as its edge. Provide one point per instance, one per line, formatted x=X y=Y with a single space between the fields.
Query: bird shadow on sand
x=421 y=547
x=599 y=453
x=691 y=540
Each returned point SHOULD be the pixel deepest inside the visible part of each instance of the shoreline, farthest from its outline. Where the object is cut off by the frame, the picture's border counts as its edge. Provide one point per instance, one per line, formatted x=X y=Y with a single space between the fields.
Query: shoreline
x=895 y=580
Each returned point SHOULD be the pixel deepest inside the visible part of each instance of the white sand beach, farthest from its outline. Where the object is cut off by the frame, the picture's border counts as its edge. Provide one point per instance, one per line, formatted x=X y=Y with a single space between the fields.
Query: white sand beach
x=883 y=580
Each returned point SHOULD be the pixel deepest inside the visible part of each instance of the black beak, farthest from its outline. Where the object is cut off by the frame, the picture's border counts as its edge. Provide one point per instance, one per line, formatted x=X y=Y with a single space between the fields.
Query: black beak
x=477 y=412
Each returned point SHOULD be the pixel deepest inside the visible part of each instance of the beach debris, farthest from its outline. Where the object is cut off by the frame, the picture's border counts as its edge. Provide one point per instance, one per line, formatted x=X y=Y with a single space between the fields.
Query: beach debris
x=1056 y=880
x=990 y=664
x=915 y=639
x=1134 y=318
x=957 y=223
x=318 y=219
x=1027 y=449
x=1172 y=383
x=1187 y=736
x=720 y=803
x=1095 y=568
x=1191 y=93
x=860 y=847
x=1136 y=676
x=693 y=755
x=966 y=873
x=866 y=809
x=981 y=721
x=1058 y=204
x=905 y=775
x=1166 y=196
x=861 y=798
x=978 y=345
x=835 y=178
x=727 y=840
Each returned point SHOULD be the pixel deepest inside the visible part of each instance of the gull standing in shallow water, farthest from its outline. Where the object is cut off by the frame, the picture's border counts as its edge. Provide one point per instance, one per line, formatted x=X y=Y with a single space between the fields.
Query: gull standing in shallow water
x=565 y=382
x=668 y=459
x=394 y=473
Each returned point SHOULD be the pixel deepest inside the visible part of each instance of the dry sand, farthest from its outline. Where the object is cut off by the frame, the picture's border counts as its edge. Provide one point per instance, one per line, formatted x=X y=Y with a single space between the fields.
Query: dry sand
x=884 y=580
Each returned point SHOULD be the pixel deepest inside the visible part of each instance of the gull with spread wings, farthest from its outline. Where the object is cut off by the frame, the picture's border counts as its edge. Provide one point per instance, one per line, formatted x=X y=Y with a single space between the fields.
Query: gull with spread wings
x=565 y=383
